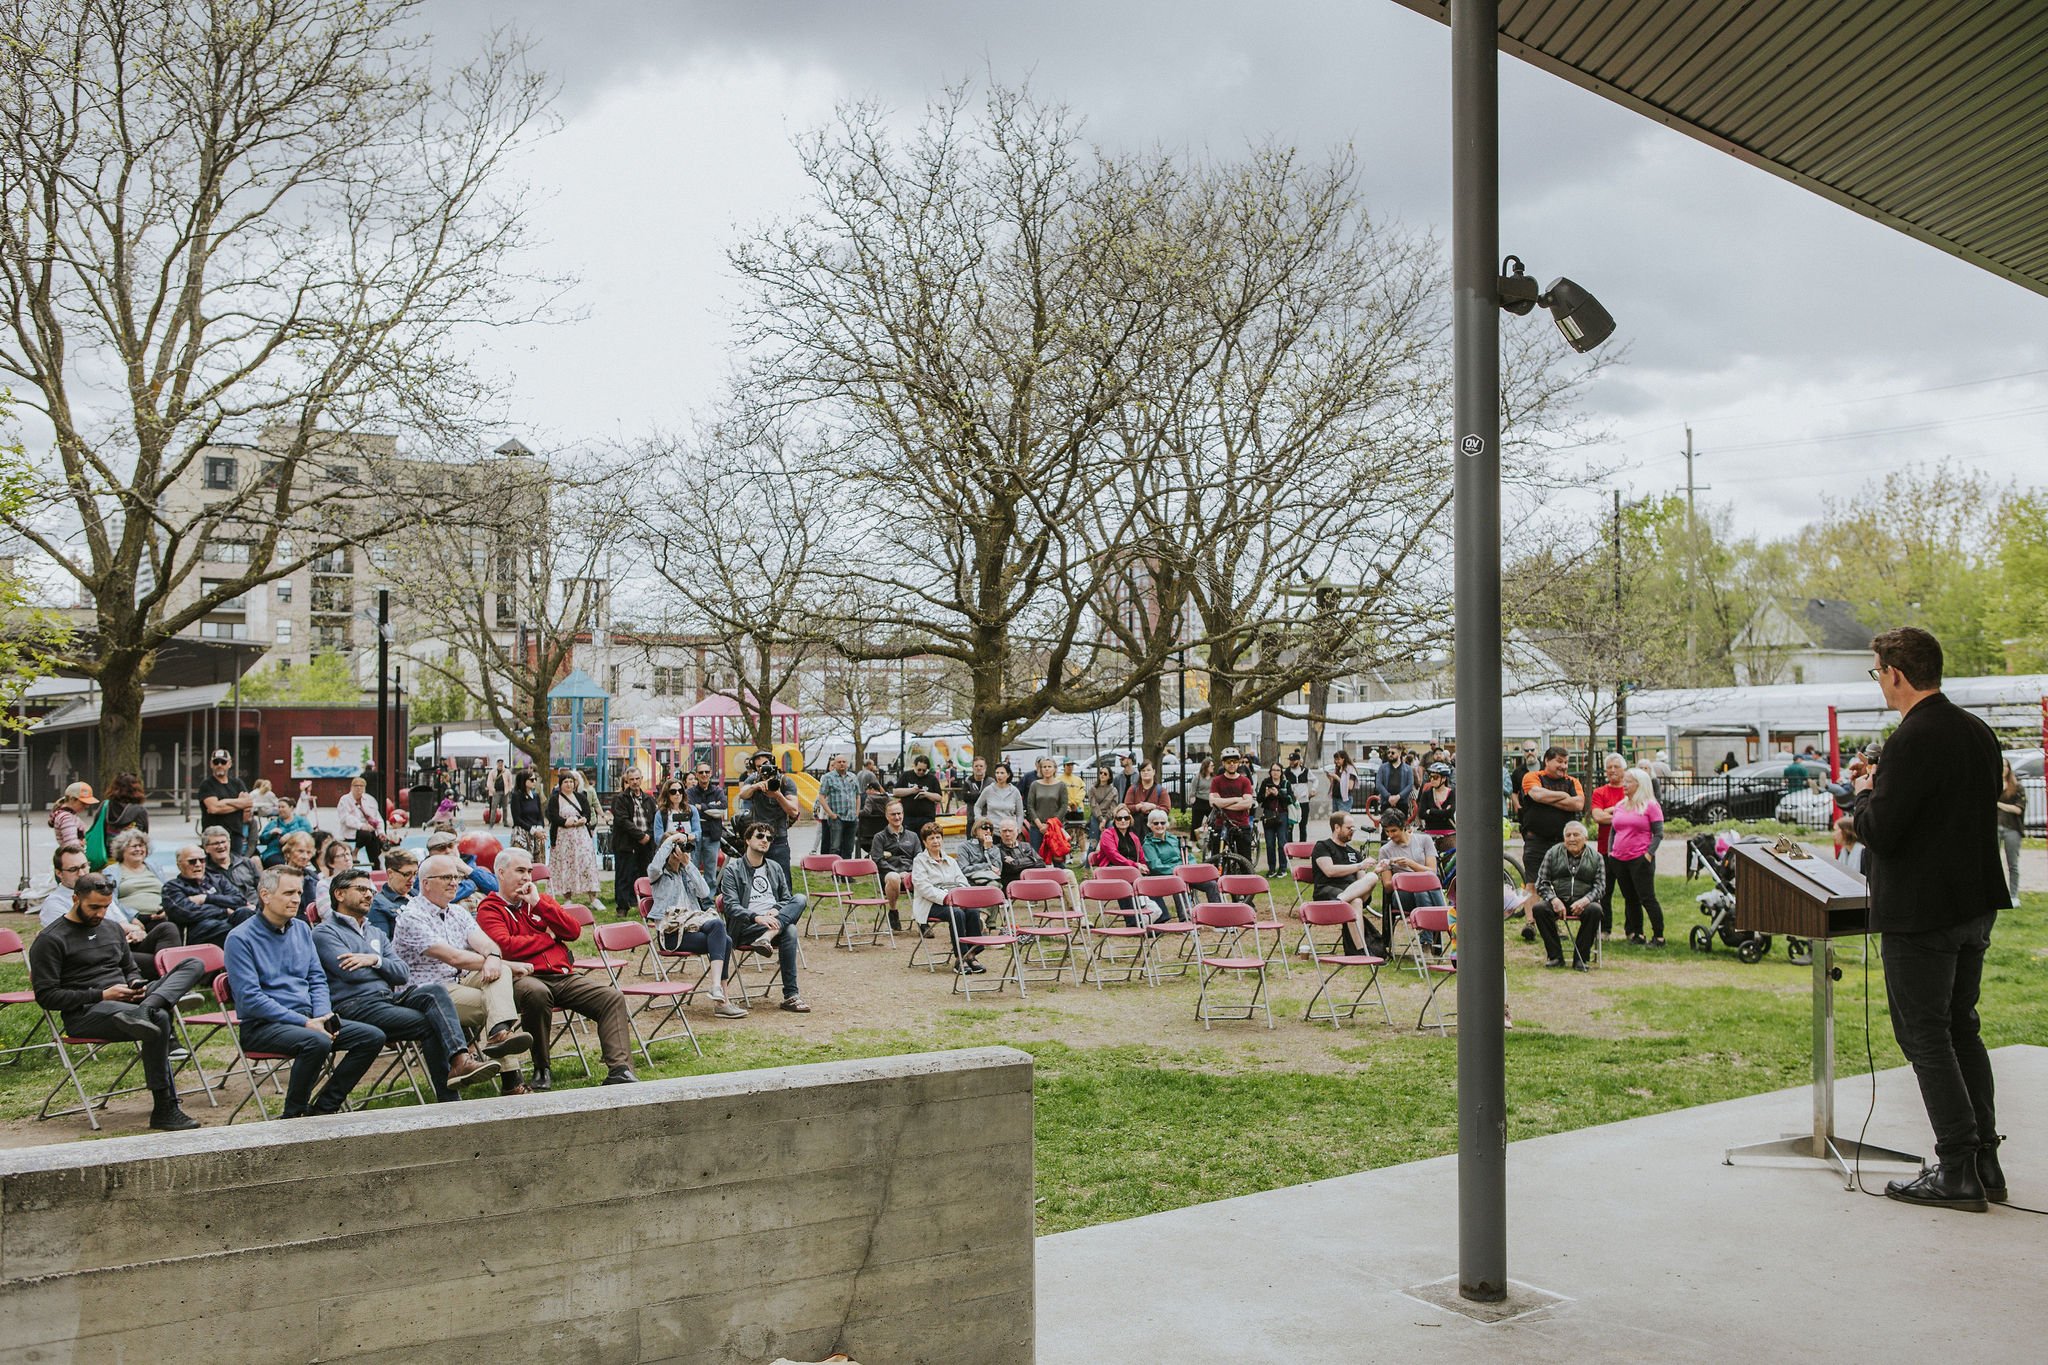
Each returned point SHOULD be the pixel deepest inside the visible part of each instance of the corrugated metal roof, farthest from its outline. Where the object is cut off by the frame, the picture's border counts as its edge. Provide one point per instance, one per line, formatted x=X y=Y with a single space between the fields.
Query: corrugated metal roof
x=1928 y=115
x=171 y=701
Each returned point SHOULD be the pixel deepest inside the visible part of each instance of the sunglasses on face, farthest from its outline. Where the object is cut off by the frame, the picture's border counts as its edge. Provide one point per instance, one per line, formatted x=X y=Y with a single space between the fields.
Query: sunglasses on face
x=760 y=839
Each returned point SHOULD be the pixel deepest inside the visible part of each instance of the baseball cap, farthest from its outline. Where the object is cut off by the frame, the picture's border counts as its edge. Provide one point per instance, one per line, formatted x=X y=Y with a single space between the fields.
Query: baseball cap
x=81 y=791
x=1232 y=753
x=222 y=756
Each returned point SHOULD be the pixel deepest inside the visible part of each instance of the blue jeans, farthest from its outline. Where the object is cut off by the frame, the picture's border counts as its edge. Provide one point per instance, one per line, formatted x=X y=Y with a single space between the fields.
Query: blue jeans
x=424 y=1015
x=788 y=913
x=836 y=838
x=358 y=1044
x=705 y=854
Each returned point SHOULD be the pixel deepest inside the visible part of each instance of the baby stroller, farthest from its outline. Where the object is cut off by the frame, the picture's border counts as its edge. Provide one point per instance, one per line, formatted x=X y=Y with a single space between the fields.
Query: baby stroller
x=1710 y=854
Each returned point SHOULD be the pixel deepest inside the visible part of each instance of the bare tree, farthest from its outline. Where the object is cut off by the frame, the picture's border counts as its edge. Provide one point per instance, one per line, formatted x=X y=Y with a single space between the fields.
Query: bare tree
x=496 y=607
x=250 y=219
x=964 y=313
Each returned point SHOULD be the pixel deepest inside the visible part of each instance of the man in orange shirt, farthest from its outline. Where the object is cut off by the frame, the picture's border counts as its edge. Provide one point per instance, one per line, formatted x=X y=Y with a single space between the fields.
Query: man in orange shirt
x=529 y=927
x=1551 y=798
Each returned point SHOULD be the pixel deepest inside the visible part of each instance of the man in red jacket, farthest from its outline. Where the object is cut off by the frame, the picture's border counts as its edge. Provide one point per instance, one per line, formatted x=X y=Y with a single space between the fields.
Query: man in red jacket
x=529 y=927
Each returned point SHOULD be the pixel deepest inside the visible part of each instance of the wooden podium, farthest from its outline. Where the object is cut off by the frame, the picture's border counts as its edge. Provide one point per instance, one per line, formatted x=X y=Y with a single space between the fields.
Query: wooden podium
x=1784 y=889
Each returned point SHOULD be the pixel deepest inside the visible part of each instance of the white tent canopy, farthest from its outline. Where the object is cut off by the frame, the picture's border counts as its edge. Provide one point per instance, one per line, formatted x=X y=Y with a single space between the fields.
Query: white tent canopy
x=467 y=744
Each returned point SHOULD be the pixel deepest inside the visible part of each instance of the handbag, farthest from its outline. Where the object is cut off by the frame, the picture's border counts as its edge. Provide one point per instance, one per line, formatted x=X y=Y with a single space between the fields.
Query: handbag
x=668 y=936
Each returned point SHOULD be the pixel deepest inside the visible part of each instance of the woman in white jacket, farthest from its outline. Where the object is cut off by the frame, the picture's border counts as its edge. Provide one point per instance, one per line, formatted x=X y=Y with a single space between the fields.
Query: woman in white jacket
x=933 y=873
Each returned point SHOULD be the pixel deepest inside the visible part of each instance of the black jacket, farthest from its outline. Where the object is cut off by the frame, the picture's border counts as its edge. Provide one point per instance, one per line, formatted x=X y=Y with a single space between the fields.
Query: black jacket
x=1931 y=822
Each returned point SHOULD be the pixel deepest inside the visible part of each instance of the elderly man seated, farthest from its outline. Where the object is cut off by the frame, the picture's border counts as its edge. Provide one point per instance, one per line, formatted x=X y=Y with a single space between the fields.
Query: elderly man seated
x=385 y=907
x=240 y=871
x=366 y=982
x=476 y=881
x=1014 y=854
x=761 y=910
x=84 y=972
x=534 y=932
x=281 y=998
x=441 y=945
x=201 y=901
x=1347 y=876
x=1568 y=883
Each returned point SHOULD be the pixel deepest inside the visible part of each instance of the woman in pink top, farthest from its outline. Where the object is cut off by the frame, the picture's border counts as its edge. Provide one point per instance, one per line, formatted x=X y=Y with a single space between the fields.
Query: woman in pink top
x=1637 y=829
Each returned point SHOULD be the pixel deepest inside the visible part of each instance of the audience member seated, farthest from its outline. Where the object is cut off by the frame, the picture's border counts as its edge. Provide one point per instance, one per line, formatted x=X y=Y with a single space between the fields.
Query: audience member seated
x=440 y=944
x=281 y=998
x=203 y=903
x=476 y=881
x=296 y=851
x=1569 y=883
x=680 y=910
x=296 y=819
x=894 y=848
x=761 y=910
x=935 y=873
x=334 y=858
x=367 y=983
x=1121 y=846
x=144 y=937
x=1343 y=874
x=83 y=970
x=981 y=858
x=531 y=929
x=240 y=870
x=1164 y=855
x=1403 y=849
x=1014 y=854
x=385 y=907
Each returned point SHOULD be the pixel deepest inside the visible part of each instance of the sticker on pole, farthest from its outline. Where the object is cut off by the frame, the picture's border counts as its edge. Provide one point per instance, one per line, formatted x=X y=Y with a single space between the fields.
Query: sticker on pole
x=1472 y=445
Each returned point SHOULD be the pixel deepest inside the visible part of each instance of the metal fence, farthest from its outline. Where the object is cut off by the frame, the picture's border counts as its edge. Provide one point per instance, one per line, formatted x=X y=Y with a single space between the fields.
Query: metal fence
x=1713 y=799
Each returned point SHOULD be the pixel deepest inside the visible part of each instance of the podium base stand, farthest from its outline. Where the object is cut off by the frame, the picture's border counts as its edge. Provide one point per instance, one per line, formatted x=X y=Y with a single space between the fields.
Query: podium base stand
x=1839 y=1152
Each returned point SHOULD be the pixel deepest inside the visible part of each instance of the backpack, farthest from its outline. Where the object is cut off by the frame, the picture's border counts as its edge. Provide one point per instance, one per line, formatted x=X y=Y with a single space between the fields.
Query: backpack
x=96 y=838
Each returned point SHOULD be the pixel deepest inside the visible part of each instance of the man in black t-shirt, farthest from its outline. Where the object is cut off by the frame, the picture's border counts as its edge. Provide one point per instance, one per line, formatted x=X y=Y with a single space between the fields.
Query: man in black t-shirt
x=918 y=790
x=224 y=800
x=1342 y=874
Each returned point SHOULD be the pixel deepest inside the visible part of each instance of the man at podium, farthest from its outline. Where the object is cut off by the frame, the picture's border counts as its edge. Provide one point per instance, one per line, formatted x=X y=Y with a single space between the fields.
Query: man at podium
x=1929 y=818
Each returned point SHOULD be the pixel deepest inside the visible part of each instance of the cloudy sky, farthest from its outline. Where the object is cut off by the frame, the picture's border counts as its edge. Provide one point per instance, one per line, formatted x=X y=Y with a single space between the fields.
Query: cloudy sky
x=1810 y=349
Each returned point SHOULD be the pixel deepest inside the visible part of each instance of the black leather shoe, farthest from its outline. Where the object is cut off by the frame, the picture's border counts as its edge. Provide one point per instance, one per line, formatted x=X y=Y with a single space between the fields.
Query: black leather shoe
x=1990 y=1174
x=1944 y=1187
x=542 y=1079
x=619 y=1075
x=166 y=1116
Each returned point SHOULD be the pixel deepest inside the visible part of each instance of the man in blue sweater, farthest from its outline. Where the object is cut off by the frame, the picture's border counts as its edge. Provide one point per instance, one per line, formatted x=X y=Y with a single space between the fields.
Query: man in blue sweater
x=366 y=982
x=281 y=997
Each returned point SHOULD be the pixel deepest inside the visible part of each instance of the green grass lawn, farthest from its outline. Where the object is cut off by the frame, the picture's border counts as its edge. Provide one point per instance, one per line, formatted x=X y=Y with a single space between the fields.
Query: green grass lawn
x=1124 y=1129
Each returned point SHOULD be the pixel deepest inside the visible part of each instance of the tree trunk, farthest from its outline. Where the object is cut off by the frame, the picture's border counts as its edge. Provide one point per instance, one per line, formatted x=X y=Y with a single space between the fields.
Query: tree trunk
x=1222 y=724
x=1152 y=721
x=121 y=672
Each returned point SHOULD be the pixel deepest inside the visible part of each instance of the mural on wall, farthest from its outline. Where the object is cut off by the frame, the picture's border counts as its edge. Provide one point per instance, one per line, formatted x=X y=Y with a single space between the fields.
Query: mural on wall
x=330 y=755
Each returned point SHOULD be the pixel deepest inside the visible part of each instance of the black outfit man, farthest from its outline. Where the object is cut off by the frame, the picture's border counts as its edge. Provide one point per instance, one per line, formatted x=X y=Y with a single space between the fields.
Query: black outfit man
x=632 y=839
x=770 y=799
x=83 y=972
x=1929 y=818
x=224 y=800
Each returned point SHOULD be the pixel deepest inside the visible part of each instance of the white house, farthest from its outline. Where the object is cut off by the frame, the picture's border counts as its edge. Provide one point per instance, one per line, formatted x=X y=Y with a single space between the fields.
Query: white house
x=1802 y=640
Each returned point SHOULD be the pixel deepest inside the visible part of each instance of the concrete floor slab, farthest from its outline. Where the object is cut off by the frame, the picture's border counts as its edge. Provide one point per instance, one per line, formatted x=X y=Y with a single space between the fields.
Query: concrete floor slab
x=1657 y=1250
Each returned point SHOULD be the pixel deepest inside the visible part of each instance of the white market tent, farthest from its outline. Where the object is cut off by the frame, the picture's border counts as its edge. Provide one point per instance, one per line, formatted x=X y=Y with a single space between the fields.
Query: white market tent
x=468 y=744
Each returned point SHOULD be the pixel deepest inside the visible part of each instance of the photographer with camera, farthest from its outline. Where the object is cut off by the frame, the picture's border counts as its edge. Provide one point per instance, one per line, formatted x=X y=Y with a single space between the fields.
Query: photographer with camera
x=770 y=799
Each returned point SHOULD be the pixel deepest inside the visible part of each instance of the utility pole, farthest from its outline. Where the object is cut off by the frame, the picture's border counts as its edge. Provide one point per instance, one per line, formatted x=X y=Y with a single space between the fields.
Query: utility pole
x=1620 y=683
x=1692 y=569
x=383 y=755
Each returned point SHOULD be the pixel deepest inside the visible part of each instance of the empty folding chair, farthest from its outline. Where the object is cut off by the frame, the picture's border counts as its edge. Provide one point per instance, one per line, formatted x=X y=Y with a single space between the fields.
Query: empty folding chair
x=1000 y=935
x=1436 y=919
x=212 y=962
x=624 y=939
x=1337 y=914
x=586 y=917
x=539 y=872
x=10 y=945
x=1040 y=917
x=871 y=909
x=1067 y=883
x=1230 y=922
x=824 y=898
x=1245 y=888
x=1167 y=939
x=1112 y=931
x=1300 y=873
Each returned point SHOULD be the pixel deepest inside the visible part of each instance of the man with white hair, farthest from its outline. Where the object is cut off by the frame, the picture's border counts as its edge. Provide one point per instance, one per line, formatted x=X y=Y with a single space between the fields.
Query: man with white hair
x=441 y=945
x=1568 y=883
x=534 y=932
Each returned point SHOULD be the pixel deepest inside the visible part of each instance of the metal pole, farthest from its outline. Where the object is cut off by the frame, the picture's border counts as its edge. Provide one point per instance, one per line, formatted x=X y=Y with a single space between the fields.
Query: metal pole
x=1475 y=274
x=382 y=752
x=1186 y=796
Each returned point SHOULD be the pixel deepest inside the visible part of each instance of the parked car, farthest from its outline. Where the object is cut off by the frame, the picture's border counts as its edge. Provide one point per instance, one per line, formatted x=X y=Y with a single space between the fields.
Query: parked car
x=1750 y=792
x=2025 y=762
x=1813 y=808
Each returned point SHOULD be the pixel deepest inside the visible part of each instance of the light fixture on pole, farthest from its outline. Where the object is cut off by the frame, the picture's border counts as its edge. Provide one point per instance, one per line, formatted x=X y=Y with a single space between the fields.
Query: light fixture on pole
x=1579 y=316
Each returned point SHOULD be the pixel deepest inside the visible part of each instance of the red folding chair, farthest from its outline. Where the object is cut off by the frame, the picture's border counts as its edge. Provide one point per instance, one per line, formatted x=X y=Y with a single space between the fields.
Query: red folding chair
x=1436 y=919
x=628 y=937
x=1410 y=884
x=848 y=873
x=1231 y=922
x=1065 y=878
x=539 y=872
x=1245 y=888
x=586 y=917
x=1316 y=914
x=1002 y=936
x=1112 y=927
x=1200 y=878
x=1300 y=873
x=10 y=945
x=1168 y=892
x=821 y=865
x=1040 y=917
x=942 y=935
x=225 y=1020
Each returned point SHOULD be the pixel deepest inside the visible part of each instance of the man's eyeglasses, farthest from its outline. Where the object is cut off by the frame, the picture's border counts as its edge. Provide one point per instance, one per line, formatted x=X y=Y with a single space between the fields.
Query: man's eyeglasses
x=1876 y=674
x=69 y=868
x=444 y=877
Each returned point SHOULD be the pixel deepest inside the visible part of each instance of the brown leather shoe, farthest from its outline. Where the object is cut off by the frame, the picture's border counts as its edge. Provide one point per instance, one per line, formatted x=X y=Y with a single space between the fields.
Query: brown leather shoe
x=469 y=1069
x=505 y=1039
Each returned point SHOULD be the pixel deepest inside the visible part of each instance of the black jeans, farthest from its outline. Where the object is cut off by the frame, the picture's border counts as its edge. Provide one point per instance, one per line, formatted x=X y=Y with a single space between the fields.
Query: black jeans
x=1638 y=878
x=1932 y=980
x=1607 y=891
x=1546 y=919
x=423 y=1015
x=358 y=1043
x=146 y=1021
x=629 y=865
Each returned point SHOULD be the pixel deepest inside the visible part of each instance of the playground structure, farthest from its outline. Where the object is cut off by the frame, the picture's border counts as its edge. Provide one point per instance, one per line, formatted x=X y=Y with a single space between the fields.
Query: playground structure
x=717 y=732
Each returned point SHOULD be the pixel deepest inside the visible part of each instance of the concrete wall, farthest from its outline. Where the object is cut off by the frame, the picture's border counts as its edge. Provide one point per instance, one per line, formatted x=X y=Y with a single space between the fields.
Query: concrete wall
x=879 y=1207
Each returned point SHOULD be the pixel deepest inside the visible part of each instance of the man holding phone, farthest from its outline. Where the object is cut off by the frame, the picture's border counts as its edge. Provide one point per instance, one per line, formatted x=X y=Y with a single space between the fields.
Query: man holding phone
x=281 y=996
